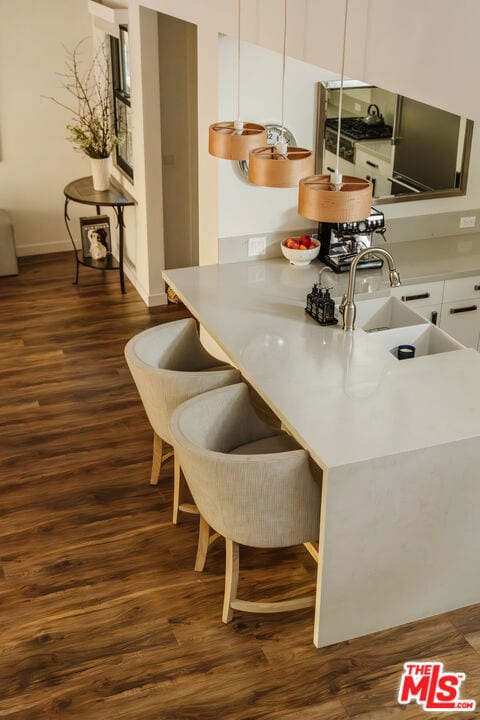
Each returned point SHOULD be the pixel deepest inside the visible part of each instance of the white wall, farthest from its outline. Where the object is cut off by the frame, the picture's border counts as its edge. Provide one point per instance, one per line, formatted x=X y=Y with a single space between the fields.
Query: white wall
x=407 y=47
x=425 y=50
x=244 y=208
x=36 y=161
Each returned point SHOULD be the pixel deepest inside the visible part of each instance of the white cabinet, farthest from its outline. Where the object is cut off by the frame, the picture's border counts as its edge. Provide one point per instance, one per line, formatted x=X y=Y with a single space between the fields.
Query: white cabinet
x=460 y=316
x=453 y=305
x=462 y=288
x=376 y=170
x=461 y=320
x=330 y=160
x=425 y=298
x=430 y=312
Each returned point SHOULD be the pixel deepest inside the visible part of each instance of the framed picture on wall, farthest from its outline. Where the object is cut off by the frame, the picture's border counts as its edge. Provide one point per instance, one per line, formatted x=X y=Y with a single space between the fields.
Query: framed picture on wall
x=96 y=240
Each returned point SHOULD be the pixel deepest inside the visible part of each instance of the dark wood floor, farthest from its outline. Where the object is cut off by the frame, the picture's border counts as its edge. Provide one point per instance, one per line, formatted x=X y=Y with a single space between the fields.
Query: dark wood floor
x=101 y=614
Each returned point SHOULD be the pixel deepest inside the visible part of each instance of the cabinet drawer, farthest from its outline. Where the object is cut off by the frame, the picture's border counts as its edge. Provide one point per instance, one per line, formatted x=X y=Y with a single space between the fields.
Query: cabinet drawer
x=462 y=288
x=422 y=294
x=372 y=164
x=461 y=320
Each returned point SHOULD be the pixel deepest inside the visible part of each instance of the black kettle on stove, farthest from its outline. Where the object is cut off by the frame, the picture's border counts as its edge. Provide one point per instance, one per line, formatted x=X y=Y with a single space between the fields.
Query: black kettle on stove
x=374 y=116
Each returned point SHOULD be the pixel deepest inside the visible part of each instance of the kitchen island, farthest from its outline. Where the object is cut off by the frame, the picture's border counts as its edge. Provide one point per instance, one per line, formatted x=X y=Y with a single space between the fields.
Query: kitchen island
x=398 y=442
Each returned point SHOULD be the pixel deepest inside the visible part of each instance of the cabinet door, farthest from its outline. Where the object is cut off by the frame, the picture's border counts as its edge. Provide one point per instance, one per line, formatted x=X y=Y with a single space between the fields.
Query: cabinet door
x=430 y=312
x=374 y=169
x=461 y=320
x=329 y=162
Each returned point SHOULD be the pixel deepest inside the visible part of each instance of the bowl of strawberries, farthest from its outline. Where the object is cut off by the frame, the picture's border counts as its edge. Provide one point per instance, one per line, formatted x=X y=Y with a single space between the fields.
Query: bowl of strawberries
x=300 y=251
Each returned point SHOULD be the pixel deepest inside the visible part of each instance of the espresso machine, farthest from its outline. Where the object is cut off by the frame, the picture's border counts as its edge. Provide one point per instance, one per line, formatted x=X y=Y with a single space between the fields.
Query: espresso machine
x=341 y=242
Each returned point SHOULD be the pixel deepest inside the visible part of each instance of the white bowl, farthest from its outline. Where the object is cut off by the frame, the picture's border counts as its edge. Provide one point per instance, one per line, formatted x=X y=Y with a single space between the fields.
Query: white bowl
x=300 y=258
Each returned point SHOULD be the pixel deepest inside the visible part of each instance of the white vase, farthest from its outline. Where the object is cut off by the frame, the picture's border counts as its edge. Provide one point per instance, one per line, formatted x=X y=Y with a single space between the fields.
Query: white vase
x=100 y=173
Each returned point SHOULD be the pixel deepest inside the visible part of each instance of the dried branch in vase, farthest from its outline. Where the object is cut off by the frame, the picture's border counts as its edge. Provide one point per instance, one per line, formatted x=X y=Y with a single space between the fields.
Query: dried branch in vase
x=92 y=129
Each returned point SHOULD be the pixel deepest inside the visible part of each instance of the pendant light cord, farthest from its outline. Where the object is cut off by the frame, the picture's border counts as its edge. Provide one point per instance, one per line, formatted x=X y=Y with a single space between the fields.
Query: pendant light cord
x=283 y=68
x=340 y=100
x=238 y=64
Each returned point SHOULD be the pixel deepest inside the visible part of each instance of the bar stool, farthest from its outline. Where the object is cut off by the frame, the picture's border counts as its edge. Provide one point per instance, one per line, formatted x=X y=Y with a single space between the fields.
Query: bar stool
x=251 y=483
x=170 y=365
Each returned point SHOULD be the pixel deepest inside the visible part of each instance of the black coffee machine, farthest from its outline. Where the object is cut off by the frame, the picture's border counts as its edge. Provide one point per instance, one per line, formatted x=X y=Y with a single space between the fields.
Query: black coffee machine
x=341 y=242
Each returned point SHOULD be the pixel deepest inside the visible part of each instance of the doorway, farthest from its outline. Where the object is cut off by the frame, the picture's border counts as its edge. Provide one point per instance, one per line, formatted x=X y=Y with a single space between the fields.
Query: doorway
x=177 y=57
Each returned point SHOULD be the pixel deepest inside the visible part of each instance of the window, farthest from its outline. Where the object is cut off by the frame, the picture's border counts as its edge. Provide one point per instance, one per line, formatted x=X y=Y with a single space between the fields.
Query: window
x=121 y=100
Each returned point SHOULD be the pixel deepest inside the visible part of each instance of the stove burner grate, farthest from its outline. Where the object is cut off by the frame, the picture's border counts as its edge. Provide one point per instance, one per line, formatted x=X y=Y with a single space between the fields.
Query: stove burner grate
x=357 y=129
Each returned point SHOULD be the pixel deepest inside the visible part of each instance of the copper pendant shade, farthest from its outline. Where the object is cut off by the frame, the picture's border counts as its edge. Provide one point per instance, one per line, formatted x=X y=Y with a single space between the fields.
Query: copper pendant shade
x=335 y=198
x=319 y=200
x=269 y=167
x=227 y=141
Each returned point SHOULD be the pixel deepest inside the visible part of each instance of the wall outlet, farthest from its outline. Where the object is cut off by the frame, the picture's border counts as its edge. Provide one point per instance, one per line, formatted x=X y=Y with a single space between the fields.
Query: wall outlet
x=257 y=246
x=357 y=107
x=468 y=221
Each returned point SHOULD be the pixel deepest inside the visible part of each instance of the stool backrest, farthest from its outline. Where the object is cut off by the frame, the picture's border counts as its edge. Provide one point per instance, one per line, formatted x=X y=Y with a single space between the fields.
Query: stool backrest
x=169 y=366
x=264 y=500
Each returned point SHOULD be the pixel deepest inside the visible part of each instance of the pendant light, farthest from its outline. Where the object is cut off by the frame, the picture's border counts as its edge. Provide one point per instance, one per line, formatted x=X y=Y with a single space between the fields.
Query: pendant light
x=280 y=165
x=233 y=139
x=335 y=198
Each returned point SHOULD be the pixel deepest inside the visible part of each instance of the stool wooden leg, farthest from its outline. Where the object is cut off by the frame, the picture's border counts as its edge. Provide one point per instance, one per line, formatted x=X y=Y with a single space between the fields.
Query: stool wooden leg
x=157 y=459
x=232 y=558
x=312 y=549
x=177 y=479
x=203 y=544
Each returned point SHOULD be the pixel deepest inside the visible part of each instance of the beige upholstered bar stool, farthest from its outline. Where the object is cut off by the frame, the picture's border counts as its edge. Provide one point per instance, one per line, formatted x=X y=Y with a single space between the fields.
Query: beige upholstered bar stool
x=170 y=365
x=251 y=483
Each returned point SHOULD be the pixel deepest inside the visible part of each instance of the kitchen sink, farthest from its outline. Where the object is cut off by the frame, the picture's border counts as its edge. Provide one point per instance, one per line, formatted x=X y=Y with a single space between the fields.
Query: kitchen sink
x=385 y=314
x=427 y=340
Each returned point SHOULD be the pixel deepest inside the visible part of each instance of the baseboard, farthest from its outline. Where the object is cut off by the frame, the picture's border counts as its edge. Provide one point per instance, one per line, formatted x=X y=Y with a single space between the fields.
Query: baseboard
x=150 y=299
x=44 y=248
x=156 y=299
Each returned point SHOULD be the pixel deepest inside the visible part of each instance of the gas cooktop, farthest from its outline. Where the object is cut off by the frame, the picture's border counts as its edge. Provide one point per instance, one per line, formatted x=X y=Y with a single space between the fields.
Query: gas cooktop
x=356 y=129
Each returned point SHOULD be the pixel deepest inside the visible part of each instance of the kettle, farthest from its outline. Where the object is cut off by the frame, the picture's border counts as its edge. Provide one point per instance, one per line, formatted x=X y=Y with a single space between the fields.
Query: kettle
x=374 y=116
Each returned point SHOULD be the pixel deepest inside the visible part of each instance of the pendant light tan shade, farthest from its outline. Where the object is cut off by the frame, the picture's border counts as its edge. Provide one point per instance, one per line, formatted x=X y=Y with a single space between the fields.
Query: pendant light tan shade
x=268 y=167
x=318 y=200
x=225 y=141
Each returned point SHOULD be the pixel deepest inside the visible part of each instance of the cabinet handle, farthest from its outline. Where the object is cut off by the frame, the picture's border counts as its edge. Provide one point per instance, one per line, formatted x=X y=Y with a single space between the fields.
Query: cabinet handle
x=470 y=308
x=434 y=319
x=476 y=287
x=372 y=164
x=421 y=296
x=330 y=169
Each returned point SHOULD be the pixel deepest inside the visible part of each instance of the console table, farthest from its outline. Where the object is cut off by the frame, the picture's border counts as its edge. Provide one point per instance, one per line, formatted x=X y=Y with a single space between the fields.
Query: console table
x=81 y=191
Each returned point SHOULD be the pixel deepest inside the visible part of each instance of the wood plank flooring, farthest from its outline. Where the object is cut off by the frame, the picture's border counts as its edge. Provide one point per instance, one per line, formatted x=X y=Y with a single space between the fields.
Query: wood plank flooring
x=101 y=614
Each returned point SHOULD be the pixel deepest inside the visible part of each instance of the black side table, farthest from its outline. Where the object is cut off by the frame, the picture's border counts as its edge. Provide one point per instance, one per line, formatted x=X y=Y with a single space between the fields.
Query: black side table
x=82 y=191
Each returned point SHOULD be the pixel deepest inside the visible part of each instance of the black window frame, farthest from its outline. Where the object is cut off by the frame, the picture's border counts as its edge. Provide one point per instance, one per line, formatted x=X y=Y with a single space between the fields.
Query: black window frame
x=120 y=96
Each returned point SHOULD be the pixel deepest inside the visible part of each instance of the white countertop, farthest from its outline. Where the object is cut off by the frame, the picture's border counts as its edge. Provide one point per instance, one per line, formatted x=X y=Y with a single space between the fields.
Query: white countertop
x=344 y=397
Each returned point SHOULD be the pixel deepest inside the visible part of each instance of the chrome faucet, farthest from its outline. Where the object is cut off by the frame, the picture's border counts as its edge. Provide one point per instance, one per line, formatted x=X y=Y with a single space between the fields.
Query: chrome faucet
x=347 y=306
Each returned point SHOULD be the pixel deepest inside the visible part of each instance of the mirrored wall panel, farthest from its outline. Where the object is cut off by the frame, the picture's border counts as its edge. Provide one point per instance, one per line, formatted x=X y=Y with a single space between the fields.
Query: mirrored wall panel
x=409 y=150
